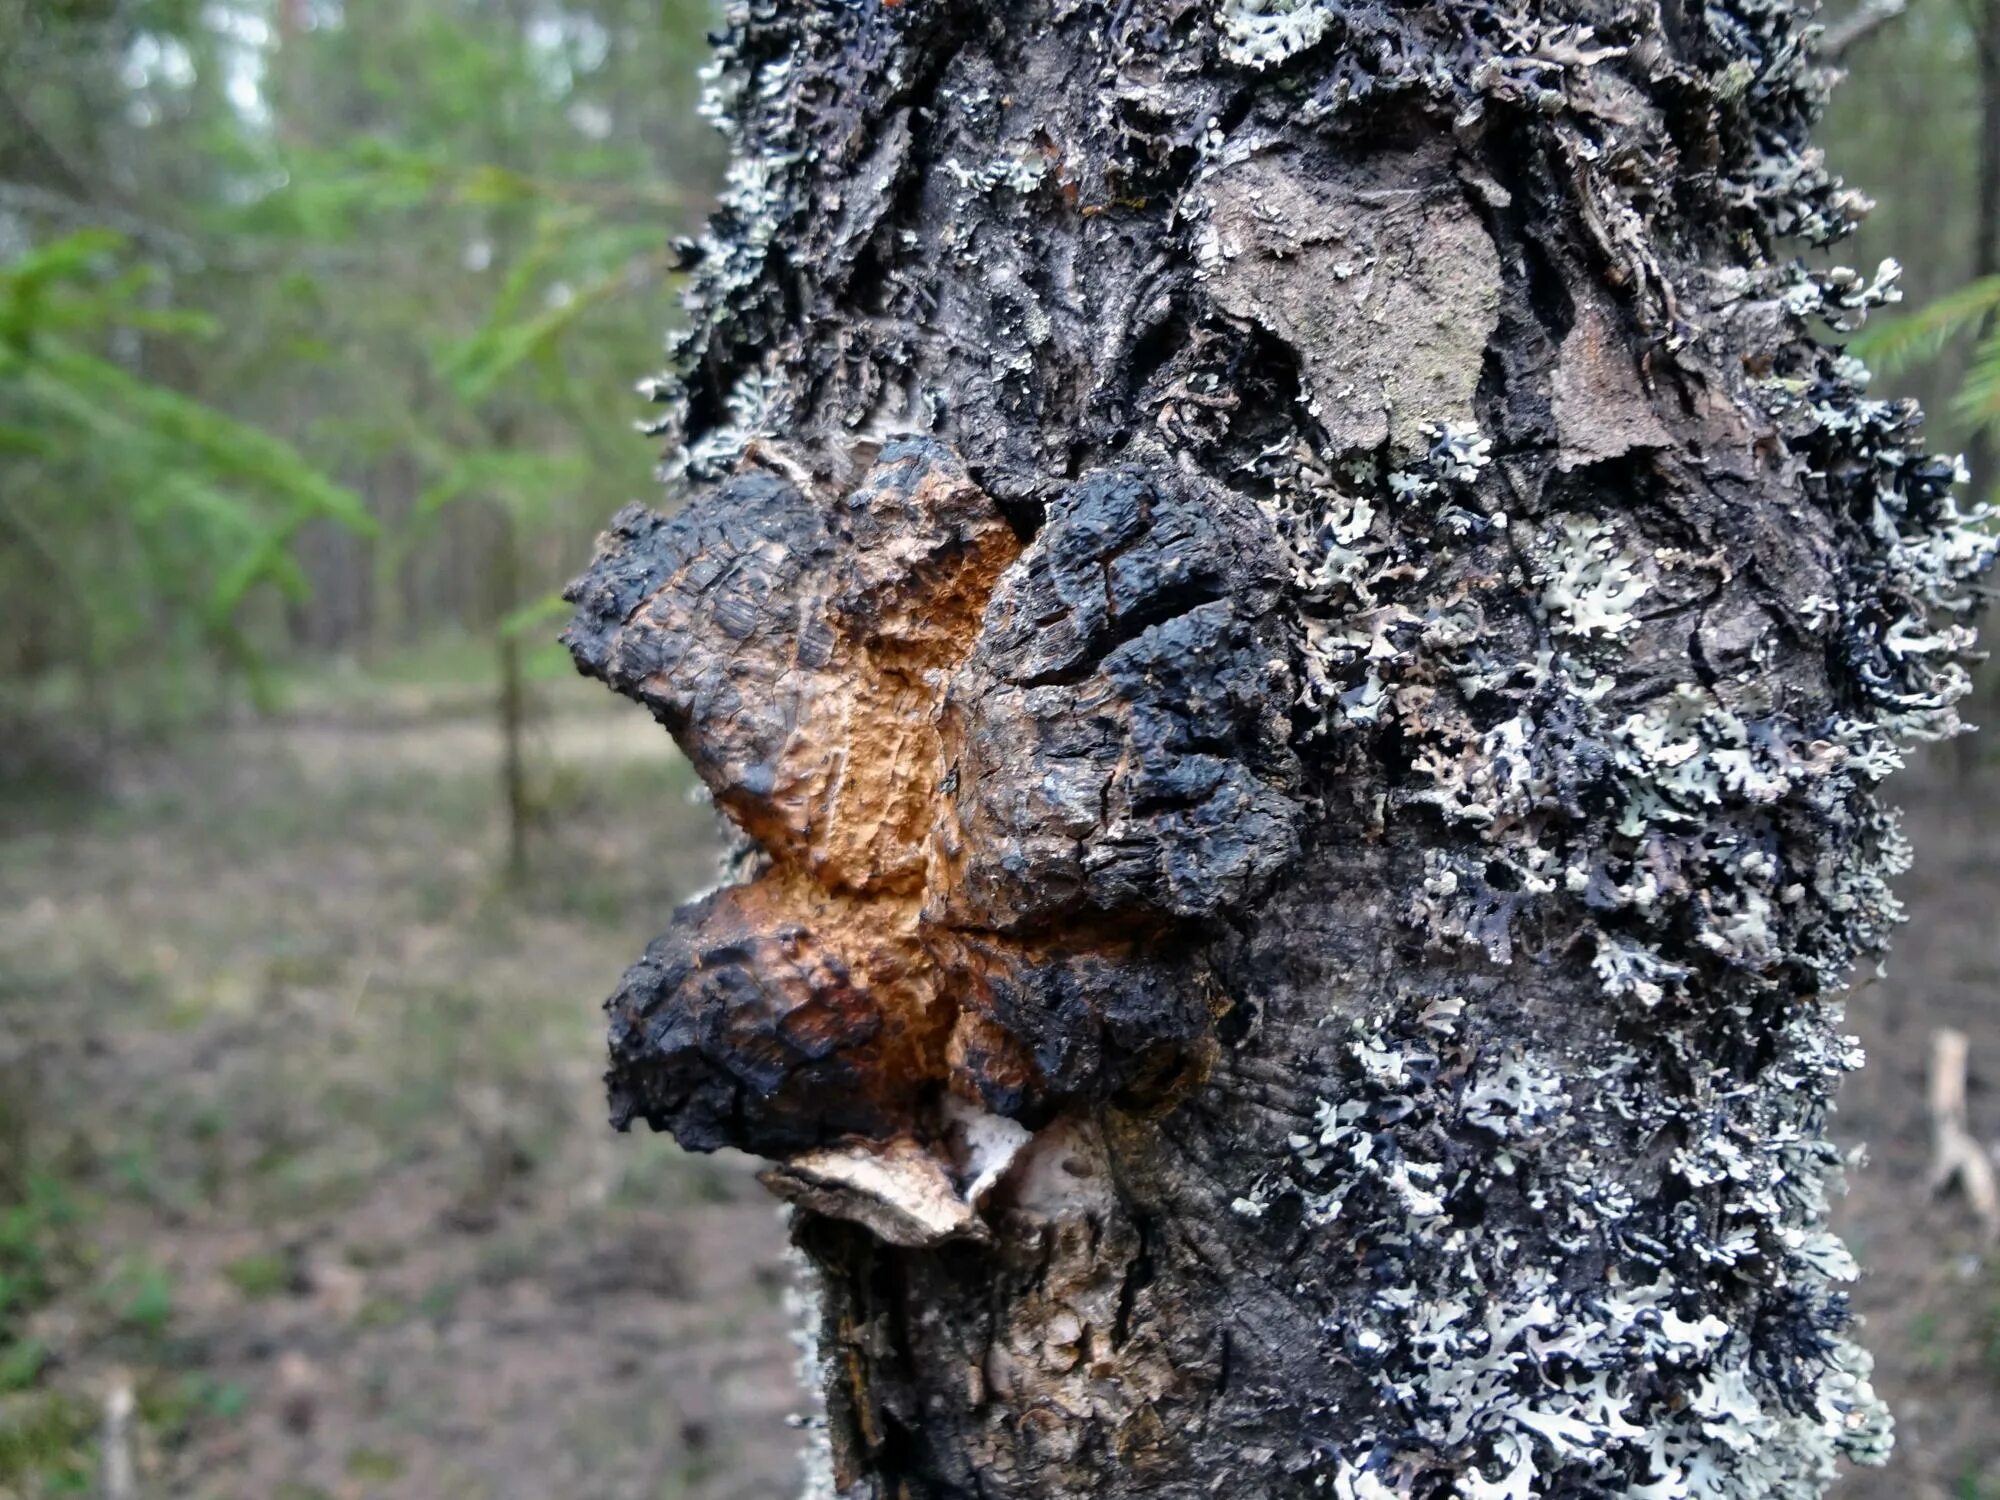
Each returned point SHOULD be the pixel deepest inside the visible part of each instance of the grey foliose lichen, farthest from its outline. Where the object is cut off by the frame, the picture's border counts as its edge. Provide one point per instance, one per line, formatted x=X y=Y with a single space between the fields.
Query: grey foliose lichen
x=1487 y=1356
x=722 y=387
x=1636 y=758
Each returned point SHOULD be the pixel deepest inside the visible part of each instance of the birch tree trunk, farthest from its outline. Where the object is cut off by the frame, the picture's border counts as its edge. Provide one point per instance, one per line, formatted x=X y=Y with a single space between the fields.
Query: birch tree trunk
x=1300 y=615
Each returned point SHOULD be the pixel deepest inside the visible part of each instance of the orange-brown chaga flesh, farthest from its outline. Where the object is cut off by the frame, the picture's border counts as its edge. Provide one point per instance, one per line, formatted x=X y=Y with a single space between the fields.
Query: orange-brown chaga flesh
x=774 y=1016
x=797 y=647
x=998 y=790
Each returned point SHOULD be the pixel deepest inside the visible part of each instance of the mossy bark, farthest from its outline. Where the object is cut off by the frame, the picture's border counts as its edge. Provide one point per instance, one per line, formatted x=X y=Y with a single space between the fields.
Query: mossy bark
x=1300 y=615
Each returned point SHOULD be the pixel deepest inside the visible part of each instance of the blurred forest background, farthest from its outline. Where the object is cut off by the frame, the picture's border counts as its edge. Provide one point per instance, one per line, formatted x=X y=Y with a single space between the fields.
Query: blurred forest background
x=319 y=327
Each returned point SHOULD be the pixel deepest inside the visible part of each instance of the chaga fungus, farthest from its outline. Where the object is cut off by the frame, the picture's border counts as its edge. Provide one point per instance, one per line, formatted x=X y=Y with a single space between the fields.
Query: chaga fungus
x=983 y=778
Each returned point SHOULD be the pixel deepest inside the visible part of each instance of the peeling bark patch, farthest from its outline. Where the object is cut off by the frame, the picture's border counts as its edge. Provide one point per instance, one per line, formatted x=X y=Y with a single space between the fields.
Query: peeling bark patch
x=1601 y=410
x=1383 y=279
x=900 y=1192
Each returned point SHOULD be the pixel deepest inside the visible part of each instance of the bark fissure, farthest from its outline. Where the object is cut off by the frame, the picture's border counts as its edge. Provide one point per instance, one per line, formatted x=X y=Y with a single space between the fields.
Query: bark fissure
x=1305 y=619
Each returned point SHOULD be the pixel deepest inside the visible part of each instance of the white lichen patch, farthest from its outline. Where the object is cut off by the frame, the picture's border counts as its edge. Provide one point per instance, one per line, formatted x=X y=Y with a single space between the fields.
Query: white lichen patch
x=1507 y=1373
x=752 y=407
x=804 y=1312
x=1018 y=173
x=1344 y=528
x=1634 y=970
x=1269 y=33
x=1592 y=580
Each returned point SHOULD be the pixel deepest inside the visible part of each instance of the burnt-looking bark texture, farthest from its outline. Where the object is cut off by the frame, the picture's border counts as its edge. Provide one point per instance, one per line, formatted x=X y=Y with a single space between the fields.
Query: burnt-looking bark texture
x=1301 y=616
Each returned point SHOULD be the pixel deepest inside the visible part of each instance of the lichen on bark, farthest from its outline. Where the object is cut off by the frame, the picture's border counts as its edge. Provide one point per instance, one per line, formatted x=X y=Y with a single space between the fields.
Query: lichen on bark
x=1301 y=615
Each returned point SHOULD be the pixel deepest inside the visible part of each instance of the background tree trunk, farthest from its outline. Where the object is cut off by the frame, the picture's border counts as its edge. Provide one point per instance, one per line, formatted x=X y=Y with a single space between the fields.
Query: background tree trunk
x=1302 y=636
x=1984 y=19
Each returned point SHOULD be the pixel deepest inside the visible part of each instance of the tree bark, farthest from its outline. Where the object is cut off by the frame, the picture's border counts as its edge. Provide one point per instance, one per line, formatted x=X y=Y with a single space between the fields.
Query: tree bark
x=1983 y=18
x=1983 y=21
x=1301 y=636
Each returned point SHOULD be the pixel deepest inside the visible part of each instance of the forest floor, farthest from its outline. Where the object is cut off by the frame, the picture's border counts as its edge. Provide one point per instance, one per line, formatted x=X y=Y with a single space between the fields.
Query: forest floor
x=1930 y=1286
x=301 y=1132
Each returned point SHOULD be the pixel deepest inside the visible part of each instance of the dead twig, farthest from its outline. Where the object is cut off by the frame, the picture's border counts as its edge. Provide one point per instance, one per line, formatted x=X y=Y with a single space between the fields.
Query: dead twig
x=115 y=1449
x=1865 y=19
x=1956 y=1156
